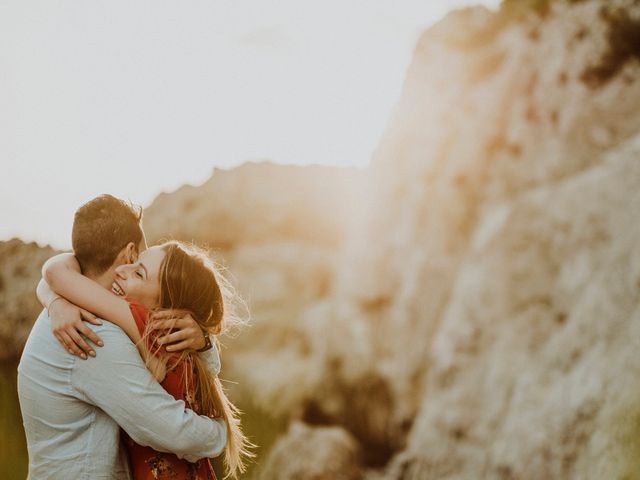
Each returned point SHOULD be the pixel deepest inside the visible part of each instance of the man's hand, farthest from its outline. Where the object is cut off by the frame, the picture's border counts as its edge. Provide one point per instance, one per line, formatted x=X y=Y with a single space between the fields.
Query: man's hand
x=186 y=331
x=68 y=327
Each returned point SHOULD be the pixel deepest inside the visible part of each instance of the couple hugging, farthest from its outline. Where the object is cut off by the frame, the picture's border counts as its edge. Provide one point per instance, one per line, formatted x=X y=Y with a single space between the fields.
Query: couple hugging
x=148 y=403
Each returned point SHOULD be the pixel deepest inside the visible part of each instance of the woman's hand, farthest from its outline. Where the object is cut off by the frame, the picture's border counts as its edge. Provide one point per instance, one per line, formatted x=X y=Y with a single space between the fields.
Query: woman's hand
x=186 y=331
x=67 y=325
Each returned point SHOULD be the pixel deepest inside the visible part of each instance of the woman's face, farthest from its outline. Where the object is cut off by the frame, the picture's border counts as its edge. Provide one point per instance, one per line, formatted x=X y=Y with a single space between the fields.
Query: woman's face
x=140 y=280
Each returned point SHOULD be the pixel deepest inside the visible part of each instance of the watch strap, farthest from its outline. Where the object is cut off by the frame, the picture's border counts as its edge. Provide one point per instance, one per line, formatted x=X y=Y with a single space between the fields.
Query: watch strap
x=207 y=344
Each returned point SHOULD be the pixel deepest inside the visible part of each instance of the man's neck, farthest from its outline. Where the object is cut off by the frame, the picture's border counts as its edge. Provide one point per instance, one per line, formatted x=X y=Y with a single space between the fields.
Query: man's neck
x=104 y=279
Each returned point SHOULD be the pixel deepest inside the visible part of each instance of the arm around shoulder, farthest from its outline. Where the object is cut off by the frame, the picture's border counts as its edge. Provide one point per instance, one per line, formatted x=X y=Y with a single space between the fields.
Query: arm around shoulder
x=118 y=382
x=63 y=275
x=57 y=266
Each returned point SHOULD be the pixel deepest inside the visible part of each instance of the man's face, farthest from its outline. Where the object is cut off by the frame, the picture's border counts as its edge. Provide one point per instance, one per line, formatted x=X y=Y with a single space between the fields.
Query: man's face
x=134 y=255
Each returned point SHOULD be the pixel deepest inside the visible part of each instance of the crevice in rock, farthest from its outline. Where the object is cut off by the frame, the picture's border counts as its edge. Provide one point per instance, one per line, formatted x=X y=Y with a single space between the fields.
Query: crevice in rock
x=366 y=411
x=623 y=46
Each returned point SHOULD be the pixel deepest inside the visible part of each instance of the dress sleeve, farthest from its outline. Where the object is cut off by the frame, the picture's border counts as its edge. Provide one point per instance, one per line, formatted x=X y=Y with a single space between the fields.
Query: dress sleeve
x=140 y=314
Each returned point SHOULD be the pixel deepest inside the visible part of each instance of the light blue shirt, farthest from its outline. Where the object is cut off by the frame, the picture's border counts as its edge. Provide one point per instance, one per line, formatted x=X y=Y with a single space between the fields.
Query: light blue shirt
x=72 y=408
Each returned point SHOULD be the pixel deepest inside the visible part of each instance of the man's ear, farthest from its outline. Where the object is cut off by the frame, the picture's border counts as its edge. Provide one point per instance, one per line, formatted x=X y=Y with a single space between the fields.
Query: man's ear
x=130 y=253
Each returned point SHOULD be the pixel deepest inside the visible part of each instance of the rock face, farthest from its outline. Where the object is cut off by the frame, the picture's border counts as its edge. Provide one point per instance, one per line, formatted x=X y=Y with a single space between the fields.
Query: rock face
x=479 y=317
x=324 y=453
x=500 y=295
x=483 y=320
x=20 y=265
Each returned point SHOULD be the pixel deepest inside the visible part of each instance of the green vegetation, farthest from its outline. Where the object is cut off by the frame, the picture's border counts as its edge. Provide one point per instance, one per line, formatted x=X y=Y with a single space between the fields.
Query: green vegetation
x=13 y=450
x=625 y=430
x=261 y=428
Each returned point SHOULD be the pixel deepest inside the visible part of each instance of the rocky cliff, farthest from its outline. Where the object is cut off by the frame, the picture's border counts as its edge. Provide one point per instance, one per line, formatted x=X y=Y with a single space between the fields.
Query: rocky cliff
x=497 y=294
x=483 y=321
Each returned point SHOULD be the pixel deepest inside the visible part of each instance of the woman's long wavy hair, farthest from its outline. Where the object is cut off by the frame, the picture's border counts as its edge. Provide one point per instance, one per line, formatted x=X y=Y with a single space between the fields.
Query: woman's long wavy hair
x=190 y=281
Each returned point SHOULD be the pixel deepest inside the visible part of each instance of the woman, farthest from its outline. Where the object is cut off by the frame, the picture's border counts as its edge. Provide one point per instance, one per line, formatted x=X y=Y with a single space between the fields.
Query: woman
x=169 y=276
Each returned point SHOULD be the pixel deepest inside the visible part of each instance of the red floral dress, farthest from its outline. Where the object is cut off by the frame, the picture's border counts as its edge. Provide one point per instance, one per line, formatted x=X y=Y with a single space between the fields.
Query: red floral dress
x=147 y=463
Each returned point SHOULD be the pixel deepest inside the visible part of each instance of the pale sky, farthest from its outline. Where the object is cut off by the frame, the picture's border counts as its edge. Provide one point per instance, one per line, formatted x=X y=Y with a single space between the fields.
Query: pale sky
x=137 y=97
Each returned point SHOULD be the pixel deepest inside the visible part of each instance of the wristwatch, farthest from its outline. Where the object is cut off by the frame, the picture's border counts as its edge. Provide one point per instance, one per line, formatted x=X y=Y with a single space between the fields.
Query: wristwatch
x=207 y=344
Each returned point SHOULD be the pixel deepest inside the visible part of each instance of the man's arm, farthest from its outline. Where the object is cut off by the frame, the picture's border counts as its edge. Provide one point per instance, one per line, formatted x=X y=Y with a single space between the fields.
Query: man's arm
x=212 y=358
x=118 y=382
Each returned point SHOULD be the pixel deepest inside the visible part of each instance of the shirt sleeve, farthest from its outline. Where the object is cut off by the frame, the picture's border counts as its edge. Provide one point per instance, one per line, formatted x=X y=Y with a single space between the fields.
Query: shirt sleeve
x=212 y=358
x=117 y=381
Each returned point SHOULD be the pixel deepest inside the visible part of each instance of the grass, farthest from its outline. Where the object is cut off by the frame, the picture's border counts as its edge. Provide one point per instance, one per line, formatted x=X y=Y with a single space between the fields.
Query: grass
x=262 y=430
x=626 y=434
x=13 y=453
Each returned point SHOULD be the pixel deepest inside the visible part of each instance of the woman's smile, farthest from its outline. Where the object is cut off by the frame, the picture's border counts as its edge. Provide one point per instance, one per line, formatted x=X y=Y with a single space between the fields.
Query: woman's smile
x=140 y=280
x=117 y=289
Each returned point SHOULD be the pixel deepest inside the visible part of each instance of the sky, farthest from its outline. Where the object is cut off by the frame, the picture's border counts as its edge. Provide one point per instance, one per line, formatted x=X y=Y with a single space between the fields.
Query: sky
x=134 y=98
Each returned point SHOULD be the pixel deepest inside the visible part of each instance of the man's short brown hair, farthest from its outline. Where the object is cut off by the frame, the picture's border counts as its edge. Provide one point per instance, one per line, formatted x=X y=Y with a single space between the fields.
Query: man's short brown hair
x=102 y=227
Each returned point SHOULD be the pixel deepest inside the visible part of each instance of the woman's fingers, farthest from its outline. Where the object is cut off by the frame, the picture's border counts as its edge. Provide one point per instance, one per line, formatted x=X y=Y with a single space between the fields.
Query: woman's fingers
x=179 y=346
x=90 y=317
x=162 y=314
x=62 y=342
x=80 y=343
x=91 y=335
x=69 y=344
x=174 y=324
x=164 y=324
x=168 y=314
x=86 y=331
x=174 y=337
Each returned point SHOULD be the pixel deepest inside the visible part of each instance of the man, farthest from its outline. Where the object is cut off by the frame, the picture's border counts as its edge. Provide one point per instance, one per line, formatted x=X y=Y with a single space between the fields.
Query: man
x=72 y=408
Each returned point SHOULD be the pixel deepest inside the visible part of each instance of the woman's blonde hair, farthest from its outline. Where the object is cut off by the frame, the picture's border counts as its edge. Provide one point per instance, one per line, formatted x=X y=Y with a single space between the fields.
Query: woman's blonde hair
x=191 y=281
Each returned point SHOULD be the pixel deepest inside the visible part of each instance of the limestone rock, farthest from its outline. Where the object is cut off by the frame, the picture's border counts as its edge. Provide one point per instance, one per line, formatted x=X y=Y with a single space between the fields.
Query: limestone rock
x=313 y=453
x=506 y=257
x=480 y=319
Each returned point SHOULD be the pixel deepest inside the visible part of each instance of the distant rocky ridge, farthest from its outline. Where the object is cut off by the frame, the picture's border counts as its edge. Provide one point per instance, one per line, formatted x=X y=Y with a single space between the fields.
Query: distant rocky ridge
x=20 y=265
x=260 y=202
x=466 y=307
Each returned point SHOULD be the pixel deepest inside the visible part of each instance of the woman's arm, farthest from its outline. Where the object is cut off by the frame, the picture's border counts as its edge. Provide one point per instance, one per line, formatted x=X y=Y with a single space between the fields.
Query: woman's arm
x=62 y=273
x=45 y=295
x=67 y=322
